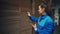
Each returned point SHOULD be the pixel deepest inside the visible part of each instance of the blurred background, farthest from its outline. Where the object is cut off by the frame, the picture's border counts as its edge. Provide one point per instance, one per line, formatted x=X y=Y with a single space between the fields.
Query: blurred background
x=14 y=19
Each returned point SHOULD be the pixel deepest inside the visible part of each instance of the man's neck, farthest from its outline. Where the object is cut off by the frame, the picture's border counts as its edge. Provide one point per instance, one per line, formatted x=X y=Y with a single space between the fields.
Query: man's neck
x=44 y=13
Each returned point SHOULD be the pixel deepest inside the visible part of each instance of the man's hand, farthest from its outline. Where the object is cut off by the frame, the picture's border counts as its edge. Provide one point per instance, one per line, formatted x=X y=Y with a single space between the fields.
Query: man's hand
x=28 y=13
x=34 y=26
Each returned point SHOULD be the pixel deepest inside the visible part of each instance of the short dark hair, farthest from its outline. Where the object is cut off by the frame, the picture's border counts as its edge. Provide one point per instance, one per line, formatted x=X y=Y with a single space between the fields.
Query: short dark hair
x=43 y=5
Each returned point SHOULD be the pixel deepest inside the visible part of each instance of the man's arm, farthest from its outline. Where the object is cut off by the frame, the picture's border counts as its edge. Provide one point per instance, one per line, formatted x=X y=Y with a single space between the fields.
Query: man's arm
x=35 y=27
x=32 y=17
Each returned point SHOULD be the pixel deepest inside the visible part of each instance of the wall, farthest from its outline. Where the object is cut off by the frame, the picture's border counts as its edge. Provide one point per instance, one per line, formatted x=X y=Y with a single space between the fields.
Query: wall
x=13 y=17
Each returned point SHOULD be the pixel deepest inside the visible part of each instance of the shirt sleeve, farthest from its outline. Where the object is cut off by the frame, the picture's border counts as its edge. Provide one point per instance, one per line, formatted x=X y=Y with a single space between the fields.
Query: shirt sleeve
x=36 y=30
x=33 y=18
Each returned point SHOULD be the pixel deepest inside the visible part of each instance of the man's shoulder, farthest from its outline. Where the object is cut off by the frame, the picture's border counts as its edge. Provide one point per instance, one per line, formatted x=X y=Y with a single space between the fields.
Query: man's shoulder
x=49 y=18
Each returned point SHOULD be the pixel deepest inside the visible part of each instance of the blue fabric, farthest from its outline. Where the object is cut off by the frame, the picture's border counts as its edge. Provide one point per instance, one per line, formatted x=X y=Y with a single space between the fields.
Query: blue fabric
x=45 y=24
x=34 y=19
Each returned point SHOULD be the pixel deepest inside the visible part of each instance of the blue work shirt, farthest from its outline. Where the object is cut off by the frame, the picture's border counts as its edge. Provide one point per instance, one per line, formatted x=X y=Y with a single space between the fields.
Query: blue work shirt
x=45 y=24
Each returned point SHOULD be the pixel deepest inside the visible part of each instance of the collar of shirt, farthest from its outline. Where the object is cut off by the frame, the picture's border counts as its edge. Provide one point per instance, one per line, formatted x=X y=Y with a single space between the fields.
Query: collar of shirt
x=43 y=16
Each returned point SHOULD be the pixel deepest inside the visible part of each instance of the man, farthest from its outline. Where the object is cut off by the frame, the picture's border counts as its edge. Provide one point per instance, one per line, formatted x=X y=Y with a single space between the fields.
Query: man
x=45 y=22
